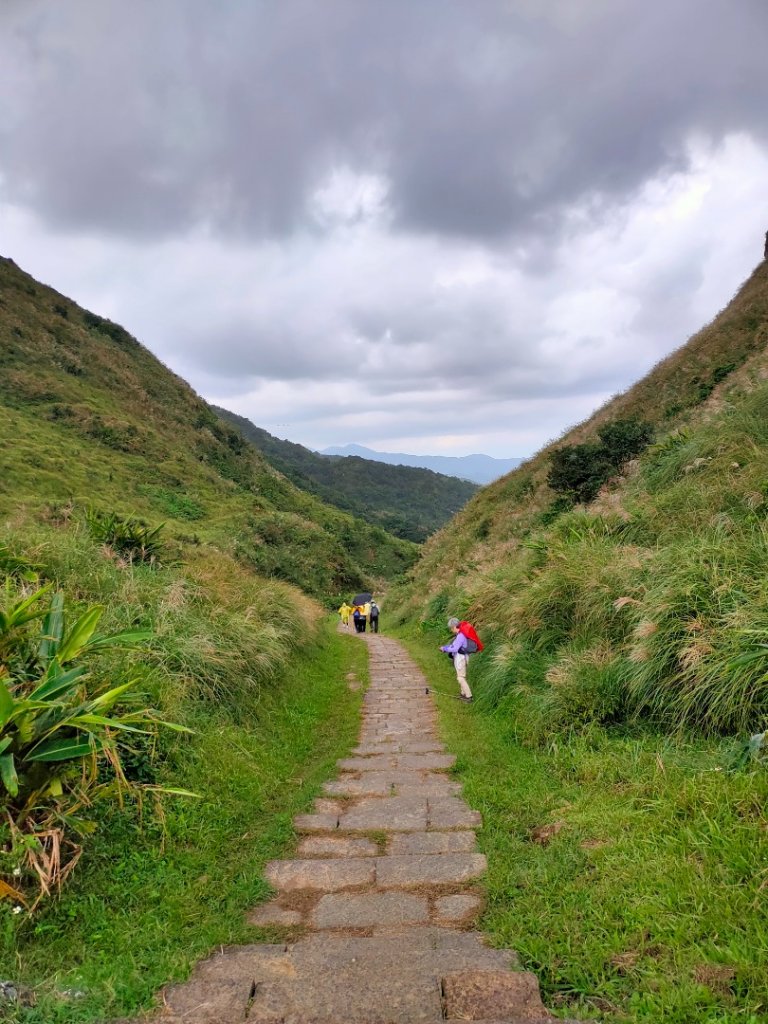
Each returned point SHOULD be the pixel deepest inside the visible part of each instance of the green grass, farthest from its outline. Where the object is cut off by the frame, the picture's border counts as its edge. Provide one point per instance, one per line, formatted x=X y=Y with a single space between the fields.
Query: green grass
x=648 y=905
x=90 y=417
x=145 y=904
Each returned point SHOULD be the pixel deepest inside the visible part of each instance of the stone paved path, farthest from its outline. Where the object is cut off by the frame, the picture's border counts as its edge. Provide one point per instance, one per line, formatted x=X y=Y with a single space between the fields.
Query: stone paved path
x=378 y=903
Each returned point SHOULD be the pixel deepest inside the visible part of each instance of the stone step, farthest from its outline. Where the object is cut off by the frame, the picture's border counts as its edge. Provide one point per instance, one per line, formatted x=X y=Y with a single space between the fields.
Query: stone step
x=316 y=822
x=395 y=979
x=423 y=843
x=482 y=994
x=366 y=910
x=336 y=846
x=444 y=869
x=392 y=814
x=397 y=783
x=388 y=872
x=451 y=812
x=380 y=762
x=320 y=874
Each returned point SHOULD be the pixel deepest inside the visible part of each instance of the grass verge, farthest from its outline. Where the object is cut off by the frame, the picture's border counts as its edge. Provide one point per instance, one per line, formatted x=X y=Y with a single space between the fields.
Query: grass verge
x=629 y=872
x=144 y=907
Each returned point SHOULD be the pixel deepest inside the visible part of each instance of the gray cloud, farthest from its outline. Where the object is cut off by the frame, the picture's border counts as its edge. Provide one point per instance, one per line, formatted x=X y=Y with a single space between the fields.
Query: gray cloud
x=436 y=224
x=486 y=118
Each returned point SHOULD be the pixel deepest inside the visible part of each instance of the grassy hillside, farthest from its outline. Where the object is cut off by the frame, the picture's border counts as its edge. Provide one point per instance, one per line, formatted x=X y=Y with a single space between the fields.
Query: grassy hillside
x=89 y=417
x=97 y=440
x=652 y=598
x=617 y=743
x=409 y=503
x=251 y=668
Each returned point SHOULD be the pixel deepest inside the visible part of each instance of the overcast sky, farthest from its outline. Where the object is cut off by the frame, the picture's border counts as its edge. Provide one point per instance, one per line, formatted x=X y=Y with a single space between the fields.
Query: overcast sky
x=433 y=226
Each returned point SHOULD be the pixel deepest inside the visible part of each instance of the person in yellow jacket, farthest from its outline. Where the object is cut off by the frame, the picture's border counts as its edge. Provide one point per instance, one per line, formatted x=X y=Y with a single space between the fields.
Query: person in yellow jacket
x=345 y=611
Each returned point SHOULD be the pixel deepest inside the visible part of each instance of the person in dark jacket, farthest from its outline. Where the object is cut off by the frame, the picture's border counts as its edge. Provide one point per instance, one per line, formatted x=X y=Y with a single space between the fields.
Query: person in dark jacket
x=373 y=618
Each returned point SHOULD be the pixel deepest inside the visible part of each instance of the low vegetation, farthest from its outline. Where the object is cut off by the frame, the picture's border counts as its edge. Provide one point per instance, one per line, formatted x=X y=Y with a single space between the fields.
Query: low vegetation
x=617 y=744
x=243 y=666
x=577 y=472
x=616 y=597
x=628 y=871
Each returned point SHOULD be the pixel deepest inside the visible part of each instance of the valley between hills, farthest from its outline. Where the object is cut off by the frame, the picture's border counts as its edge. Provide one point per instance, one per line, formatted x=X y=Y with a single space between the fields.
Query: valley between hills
x=175 y=691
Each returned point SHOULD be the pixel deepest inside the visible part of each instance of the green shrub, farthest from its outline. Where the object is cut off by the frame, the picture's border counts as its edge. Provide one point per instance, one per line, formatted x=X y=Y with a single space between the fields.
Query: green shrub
x=563 y=503
x=699 y=656
x=622 y=440
x=579 y=471
x=585 y=687
x=129 y=537
x=178 y=504
x=56 y=724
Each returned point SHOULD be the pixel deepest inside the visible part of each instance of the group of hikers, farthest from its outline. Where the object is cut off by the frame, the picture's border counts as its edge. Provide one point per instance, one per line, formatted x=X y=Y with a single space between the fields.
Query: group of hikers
x=465 y=639
x=363 y=614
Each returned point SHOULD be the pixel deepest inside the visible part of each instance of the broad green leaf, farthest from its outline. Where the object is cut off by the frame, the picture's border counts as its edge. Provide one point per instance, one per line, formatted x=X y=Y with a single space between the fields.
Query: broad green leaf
x=7 y=703
x=174 y=792
x=79 y=635
x=23 y=611
x=56 y=682
x=109 y=723
x=8 y=774
x=129 y=638
x=55 y=787
x=53 y=628
x=61 y=750
x=108 y=699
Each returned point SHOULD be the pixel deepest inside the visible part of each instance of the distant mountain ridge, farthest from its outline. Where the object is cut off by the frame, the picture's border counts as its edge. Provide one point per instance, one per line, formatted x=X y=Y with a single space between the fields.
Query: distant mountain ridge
x=407 y=501
x=481 y=469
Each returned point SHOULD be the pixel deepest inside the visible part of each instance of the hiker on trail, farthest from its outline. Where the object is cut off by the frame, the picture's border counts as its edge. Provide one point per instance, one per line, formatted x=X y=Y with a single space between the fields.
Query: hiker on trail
x=459 y=651
x=344 y=612
x=373 y=617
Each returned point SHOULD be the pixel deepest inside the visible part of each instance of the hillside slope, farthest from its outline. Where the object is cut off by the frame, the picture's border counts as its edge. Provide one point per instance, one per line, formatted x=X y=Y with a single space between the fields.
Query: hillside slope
x=89 y=416
x=409 y=503
x=650 y=599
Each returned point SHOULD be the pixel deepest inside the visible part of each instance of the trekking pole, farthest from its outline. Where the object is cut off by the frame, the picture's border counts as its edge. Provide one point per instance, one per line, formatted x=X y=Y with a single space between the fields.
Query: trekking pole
x=442 y=693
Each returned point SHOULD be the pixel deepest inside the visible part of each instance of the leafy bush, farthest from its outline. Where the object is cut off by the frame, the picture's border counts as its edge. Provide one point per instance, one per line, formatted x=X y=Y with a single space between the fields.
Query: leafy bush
x=109 y=328
x=622 y=440
x=579 y=471
x=178 y=504
x=56 y=726
x=129 y=537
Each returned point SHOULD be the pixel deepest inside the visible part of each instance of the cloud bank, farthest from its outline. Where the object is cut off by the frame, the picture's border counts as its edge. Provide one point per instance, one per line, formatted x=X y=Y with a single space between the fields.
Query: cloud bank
x=436 y=226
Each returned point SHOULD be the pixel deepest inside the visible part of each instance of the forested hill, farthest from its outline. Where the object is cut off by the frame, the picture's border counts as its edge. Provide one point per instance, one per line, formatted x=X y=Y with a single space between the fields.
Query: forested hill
x=89 y=418
x=410 y=503
x=623 y=570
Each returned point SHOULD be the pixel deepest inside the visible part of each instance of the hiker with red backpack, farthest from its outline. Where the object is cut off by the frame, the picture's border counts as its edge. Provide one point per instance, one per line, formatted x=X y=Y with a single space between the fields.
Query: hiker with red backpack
x=465 y=642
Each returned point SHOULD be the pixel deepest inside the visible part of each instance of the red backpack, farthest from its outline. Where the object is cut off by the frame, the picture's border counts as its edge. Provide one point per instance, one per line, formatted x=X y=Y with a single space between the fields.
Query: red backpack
x=469 y=631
